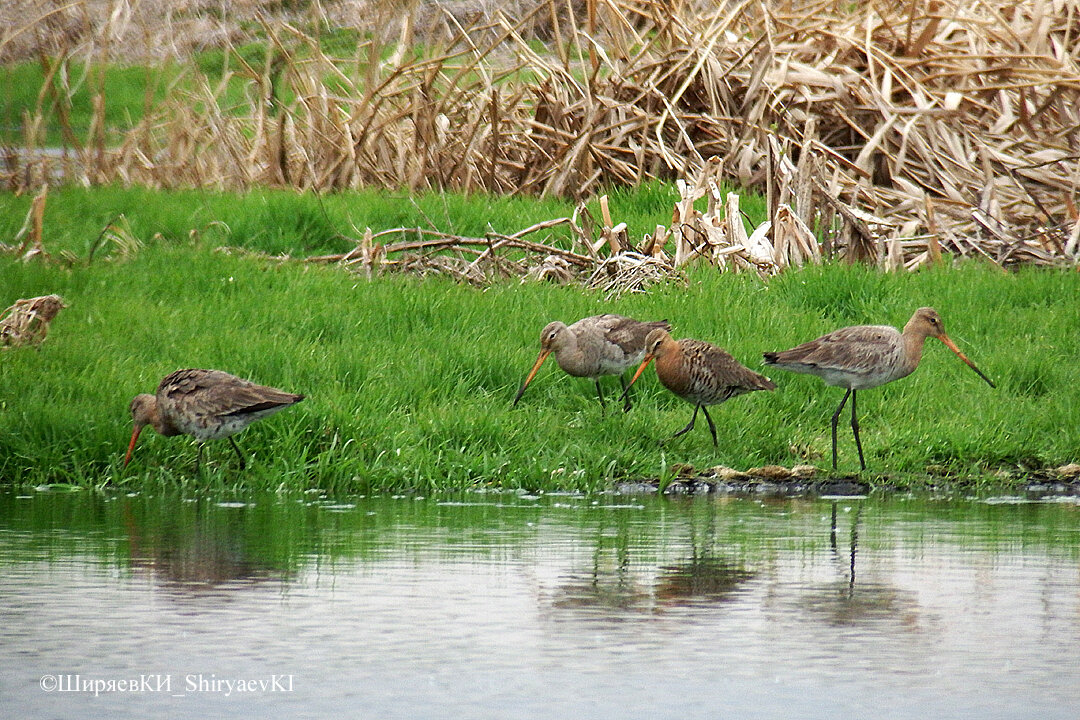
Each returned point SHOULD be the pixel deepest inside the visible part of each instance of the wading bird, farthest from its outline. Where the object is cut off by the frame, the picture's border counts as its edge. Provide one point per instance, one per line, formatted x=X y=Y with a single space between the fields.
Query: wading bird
x=865 y=356
x=699 y=372
x=206 y=404
x=594 y=346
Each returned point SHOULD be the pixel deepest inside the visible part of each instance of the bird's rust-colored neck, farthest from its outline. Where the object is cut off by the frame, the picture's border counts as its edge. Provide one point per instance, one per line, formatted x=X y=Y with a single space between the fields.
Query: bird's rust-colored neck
x=669 y=356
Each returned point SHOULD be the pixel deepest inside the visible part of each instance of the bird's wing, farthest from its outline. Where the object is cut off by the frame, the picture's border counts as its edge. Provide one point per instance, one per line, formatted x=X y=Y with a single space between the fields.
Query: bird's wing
x=627 y=333
x=855 y=349
x=213 y=393
x=724 y=372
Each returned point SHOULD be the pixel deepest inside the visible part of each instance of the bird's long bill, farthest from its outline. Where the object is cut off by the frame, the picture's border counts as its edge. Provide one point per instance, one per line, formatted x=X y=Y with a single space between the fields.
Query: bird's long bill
x=131 y=445
x=641 y=368
x=952 y=346
x=532 y=373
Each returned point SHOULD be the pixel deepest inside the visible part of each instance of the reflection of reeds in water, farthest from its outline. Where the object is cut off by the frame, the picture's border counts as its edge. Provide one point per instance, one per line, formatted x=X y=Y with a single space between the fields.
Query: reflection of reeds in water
x=908 y=129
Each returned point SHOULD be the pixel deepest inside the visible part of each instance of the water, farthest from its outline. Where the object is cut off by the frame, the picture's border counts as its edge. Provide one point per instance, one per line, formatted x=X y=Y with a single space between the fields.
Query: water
x=507 y=605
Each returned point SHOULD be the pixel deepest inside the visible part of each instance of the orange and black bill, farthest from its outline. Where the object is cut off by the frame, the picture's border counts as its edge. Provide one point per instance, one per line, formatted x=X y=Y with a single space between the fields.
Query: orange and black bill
x=532 y=373
x=131 y=445
x=952 y=346
x=641 y=368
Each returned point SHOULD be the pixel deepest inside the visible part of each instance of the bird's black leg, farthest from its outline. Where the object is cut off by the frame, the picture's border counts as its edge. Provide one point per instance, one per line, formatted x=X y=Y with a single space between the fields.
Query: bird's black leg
x=712 y=428
x=855 y=429
x=600 y=394
x=239 y=454
x=689 y=427
x=626 y=393
x=835 y=419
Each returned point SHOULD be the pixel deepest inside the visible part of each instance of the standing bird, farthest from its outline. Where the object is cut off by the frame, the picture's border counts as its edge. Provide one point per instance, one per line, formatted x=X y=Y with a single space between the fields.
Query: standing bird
x=206 y=404
x=700 y=373
x=865 y=356
x=594 y=346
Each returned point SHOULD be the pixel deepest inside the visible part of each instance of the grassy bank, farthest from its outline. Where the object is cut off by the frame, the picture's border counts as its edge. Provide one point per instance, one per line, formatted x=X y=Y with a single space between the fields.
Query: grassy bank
x=282 y=221
x=410 y=381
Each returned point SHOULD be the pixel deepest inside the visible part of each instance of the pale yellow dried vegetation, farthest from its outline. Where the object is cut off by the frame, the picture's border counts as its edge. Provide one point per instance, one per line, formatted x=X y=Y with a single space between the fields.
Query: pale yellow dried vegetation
x=893 y=131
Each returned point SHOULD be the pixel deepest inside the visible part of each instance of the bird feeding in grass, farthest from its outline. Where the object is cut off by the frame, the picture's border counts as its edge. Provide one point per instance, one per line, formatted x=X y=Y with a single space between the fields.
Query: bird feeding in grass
x=699 y=372
x=594 y=346
x=865 y=356
x=206 y=404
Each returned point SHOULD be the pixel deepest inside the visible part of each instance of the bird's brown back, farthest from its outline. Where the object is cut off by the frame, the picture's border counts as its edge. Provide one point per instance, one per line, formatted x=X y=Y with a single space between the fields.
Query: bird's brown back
x=214 y=393
x=705 y=374
x=627 y=333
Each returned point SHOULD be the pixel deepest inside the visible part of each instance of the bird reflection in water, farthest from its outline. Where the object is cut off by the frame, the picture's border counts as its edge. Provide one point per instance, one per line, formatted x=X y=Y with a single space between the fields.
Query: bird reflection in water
x=703 y=579
x=195 y=557
x=845 y=602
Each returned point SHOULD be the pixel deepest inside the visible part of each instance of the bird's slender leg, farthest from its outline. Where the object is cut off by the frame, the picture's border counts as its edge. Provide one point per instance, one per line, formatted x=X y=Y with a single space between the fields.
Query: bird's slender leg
x=600 y=394
x=626 y=393
x=239 y=454
x=689 y=427
x=855 y=429
x=712 y=428
x=835 y=419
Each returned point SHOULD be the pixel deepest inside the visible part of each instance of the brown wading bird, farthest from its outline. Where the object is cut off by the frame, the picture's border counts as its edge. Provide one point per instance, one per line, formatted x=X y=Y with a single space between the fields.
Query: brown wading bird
x=206 y=404
x=594 y=346
x=865 y=356
x=700 y=373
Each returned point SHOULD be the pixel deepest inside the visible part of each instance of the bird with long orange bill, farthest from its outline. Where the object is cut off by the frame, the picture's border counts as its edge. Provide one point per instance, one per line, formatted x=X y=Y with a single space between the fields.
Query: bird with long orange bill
x=206 y=404
x=699 y=372
x=866 y=356
x=594 y=346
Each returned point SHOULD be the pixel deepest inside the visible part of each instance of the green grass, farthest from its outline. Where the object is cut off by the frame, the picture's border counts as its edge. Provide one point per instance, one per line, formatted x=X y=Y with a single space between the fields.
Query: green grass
x=410 y=381
x=127 y=91
x=132 y=91
x=281 y=221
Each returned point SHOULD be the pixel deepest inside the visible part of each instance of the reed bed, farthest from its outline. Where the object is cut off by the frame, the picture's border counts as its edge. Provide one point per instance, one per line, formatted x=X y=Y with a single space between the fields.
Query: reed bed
x=882 y=132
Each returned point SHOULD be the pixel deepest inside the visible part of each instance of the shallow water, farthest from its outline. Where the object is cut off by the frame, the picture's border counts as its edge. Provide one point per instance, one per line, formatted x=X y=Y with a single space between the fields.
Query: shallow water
x=510 y=605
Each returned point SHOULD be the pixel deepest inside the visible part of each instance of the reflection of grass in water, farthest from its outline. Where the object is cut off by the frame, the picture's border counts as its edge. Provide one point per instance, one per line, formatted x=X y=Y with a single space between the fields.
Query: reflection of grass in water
x=631 y=558
x=410 y=382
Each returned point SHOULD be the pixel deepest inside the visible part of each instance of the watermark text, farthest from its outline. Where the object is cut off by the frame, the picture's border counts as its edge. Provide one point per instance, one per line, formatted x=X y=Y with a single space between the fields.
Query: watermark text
x=177 y=685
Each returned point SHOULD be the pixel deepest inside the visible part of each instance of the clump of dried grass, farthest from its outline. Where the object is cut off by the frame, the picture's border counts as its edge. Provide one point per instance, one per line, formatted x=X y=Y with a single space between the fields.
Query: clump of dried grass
x=27 y=321
x=898 y=132
x=610 y=262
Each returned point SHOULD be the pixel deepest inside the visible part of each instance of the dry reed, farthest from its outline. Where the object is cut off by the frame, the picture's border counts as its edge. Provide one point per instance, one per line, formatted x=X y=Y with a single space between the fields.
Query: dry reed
x=27 y=321
x=896 y=131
